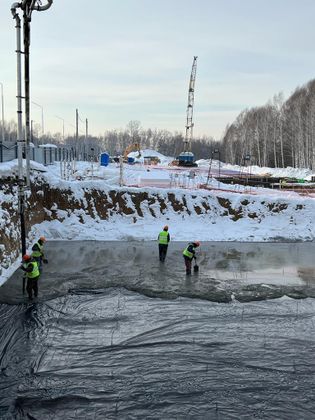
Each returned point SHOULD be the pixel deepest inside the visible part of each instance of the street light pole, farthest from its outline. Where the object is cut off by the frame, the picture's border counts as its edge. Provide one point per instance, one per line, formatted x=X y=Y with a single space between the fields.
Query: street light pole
x=217 y=151
x=86 y=137
x=2 y=111
x=76 y=129
x=247 y=159
x=63 y=127
x=42 y=108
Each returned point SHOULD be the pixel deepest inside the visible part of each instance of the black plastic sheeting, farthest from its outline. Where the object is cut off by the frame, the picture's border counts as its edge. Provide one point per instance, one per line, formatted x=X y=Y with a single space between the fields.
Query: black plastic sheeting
x=113 y=352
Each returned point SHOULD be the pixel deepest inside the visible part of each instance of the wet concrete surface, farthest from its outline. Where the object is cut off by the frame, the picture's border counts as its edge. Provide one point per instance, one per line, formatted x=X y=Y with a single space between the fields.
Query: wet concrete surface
x=115 y=334
x=241 y=271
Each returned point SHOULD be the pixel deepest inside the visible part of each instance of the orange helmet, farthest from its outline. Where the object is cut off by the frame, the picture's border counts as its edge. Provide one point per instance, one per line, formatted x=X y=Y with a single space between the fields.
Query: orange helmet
x=197 y=243
x=42 y=238
x=165 y=227
x=26 y=257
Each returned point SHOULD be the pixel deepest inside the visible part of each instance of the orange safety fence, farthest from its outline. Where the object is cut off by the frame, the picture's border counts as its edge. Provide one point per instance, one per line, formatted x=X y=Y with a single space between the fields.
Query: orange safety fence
x=245 y=189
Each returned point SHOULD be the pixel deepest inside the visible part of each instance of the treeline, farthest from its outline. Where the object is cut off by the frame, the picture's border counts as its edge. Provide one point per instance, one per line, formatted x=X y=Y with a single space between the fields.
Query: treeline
x=279 y=134
x=116 y=142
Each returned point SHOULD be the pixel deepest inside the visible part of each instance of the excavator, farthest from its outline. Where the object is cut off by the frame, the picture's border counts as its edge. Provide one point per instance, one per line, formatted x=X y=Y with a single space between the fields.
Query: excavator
x=135 y=147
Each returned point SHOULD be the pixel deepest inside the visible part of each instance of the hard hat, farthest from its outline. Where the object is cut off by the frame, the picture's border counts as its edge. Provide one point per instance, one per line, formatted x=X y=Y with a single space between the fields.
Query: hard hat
x=197 y=243
x=165 y=227
x=26 y=257
x=42 y=238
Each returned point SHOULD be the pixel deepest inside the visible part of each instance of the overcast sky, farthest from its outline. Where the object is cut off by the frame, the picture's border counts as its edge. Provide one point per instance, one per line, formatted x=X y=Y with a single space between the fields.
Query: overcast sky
x=125 y=60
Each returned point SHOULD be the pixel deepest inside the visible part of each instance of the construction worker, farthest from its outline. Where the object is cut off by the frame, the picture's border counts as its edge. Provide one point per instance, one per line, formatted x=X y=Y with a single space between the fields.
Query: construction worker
x=189 y=254
x=31 y=269
x=163 y=238
x=38 y=252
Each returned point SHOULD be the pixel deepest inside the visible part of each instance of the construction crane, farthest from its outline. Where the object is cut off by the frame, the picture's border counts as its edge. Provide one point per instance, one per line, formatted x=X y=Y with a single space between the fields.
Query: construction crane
x=186 y=158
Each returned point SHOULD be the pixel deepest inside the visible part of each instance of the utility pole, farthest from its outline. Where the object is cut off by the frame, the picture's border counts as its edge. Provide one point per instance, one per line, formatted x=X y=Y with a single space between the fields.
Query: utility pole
x=86 y=138
x=27 y=6
x=76 y=130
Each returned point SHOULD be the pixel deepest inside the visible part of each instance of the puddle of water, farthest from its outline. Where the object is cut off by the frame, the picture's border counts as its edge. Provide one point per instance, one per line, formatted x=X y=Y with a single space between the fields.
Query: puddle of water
x=227 y=270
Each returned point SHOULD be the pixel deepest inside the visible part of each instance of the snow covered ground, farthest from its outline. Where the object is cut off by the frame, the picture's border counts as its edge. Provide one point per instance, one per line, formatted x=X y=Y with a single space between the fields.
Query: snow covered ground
x=161 y=179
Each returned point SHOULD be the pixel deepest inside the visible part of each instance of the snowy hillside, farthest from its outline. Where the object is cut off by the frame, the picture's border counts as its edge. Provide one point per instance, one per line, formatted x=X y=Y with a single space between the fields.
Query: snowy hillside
x=86 y=201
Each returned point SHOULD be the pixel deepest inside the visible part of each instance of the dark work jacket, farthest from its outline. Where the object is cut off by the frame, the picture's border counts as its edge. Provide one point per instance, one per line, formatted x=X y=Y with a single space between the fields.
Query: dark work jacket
x=191 y=248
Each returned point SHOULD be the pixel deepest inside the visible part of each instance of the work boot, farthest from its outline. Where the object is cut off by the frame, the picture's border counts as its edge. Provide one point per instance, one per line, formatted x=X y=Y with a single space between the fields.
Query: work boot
x=188 y=272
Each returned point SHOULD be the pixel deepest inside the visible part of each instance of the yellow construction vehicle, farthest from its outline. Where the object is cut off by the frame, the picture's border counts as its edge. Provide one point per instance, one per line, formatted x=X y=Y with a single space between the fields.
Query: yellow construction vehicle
x=135 y=147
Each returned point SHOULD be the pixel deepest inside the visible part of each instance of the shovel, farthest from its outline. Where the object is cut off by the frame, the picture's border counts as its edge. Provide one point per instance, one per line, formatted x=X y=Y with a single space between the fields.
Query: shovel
x=23 y=284
x=196 y=266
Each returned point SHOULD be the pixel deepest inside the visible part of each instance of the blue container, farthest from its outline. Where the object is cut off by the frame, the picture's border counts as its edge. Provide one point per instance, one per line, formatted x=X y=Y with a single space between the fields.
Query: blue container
x=186 y=157
x=131 y=160
x=104 y=159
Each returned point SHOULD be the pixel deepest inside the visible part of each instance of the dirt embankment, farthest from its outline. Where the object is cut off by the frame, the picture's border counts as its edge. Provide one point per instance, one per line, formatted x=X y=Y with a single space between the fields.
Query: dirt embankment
x=46 y=203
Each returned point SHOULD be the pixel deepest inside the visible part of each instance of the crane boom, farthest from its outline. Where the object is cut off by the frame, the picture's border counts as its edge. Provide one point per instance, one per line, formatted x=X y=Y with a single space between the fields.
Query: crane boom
x=190 y=106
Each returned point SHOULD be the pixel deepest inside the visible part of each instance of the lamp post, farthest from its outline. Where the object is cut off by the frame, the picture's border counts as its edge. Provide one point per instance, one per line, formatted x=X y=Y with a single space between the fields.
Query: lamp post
x=92 y=160
x=42 y=109
x=217 y=151
x=63 y=127
x=2 y=112
x=247 y=159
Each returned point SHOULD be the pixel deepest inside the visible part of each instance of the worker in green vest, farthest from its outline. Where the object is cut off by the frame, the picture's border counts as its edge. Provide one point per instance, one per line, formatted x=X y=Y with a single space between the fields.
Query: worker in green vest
x=163 y=238
x=31 y=269
x=38 y=252
x=189 y=254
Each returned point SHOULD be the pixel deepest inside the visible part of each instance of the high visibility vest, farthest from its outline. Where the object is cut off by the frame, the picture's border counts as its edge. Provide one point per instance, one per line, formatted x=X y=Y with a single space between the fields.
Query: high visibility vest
x=163 y=237
x=40 y=252
x=35 y=272
x=187 y=253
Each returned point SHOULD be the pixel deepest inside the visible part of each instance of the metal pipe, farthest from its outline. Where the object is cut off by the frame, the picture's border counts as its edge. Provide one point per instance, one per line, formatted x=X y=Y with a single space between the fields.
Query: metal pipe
x=20 y=140
x=27 y=34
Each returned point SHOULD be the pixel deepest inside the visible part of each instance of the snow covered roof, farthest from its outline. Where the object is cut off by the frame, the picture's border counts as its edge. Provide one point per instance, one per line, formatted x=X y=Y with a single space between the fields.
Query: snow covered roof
x=48 y=145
